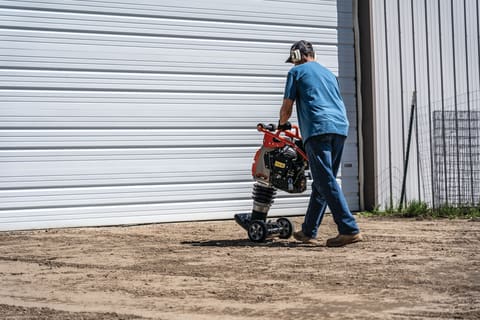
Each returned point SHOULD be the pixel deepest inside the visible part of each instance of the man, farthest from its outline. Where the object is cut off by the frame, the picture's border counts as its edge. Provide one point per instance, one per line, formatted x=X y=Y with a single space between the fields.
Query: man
x=324 y=126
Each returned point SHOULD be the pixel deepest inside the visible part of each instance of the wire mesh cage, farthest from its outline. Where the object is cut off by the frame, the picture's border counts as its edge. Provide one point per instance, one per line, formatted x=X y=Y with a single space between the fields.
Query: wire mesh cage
x=449 y=151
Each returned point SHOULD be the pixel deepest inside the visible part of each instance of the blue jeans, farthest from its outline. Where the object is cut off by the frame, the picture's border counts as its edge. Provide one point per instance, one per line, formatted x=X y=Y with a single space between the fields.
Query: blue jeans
x=324 y=155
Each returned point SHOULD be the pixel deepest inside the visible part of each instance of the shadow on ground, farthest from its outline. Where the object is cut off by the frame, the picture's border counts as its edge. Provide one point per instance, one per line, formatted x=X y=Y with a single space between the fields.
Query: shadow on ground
x=247 y=243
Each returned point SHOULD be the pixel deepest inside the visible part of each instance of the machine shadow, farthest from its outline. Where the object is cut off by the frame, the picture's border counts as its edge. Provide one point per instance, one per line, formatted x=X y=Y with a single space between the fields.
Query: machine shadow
x=248 y=243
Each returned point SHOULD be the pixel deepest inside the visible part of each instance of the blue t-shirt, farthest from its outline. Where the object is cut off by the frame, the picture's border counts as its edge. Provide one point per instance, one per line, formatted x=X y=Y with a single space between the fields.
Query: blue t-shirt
x=320 y=107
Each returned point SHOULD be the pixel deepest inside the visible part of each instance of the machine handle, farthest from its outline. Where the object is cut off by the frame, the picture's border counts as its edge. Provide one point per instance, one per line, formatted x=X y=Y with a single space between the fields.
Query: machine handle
x=292 y=133
x=270 y=127
x=276 y=139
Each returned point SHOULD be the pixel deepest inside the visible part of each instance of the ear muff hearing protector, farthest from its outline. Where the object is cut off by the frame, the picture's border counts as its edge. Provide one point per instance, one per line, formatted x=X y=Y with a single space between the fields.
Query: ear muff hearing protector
x=300 y=49
x=296 y=55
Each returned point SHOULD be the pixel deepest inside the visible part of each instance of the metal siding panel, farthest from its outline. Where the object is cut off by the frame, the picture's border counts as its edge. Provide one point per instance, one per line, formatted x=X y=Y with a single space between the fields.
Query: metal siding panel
x=473 y=46
x=396 y=109
x=421 y=53
x=423 y=38
x=126 y=138
x=158 y=26
x=459 y=50
x=119 y=112
x=134 y=214
x=434 y=50
x=61 y=50
x=250 y=11
x=89 y=81
x=447 y=52
x=381 y=101
x=409 y=79
x=446 y=49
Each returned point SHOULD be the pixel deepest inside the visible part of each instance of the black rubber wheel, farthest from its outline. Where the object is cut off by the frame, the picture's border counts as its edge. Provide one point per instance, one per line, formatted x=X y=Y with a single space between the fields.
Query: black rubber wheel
x=257 y=231
x=286 y=228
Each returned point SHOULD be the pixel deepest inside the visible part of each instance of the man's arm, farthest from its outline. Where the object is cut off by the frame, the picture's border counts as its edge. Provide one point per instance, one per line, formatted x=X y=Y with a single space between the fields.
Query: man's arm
x=286 y=111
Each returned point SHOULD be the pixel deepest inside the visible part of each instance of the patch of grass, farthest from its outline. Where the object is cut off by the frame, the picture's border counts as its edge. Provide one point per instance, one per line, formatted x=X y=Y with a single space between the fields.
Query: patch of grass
x=420 y=209
x=416 y=209
x=456 y=212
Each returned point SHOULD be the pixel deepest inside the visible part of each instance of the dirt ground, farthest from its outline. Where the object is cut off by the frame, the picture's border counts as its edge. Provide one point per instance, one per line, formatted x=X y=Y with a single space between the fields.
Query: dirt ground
x=406 y=269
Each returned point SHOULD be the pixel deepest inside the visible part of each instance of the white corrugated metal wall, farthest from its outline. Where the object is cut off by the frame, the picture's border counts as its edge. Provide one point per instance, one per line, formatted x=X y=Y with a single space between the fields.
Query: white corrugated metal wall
x=431 y=46
x=120 y=112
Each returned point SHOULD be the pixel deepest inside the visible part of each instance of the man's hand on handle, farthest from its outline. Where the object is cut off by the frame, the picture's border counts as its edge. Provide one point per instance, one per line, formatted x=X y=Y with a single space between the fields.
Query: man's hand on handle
x=285 y=126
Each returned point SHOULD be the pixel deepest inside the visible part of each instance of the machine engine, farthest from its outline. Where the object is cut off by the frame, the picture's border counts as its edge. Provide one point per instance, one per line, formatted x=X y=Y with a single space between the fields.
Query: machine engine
x=282 y=168
x=287 y=170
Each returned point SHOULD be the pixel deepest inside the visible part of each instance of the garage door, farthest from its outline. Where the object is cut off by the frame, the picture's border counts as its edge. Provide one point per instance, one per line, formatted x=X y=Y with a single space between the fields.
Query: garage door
x=125 y=112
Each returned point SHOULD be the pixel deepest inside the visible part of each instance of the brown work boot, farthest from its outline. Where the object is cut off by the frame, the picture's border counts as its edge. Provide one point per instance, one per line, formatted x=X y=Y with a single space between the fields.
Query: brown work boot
x=300 y=236
x=344 y=239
